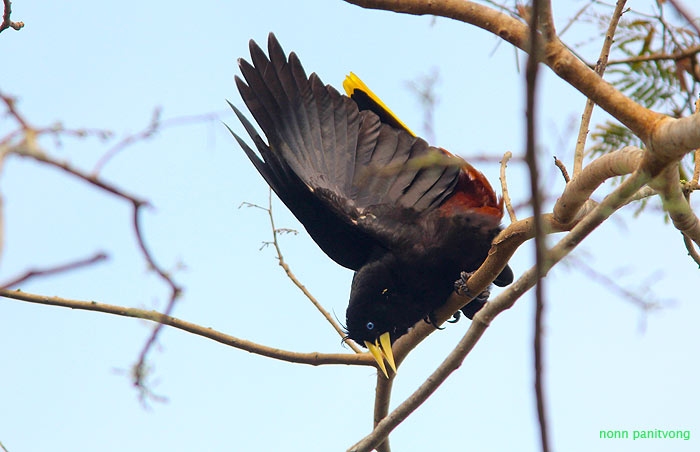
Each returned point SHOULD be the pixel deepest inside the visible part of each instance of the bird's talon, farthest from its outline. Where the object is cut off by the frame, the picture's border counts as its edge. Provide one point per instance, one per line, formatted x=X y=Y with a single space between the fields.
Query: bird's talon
x=455 y=317
x=431 y=320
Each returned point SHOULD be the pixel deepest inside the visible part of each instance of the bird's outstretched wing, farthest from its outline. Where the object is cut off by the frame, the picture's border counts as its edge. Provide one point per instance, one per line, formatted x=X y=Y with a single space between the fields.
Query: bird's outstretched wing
x=322 y=155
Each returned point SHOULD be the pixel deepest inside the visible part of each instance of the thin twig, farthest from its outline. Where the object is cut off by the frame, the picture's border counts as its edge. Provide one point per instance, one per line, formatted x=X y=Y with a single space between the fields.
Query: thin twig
x=139 y=370
x=639 y=297
x=599 y=69
x=12 y=111
x=282 y=263
x=28 y=147
x=692 y=250
x=156 y=124
x=681 y=54
x=693 y=185
x=696 y=157
x=54 y=270
x=24 y=151
x=504 y=187
x=575 y=18
x=562 y=168
x=312 y=358
x=6 y=21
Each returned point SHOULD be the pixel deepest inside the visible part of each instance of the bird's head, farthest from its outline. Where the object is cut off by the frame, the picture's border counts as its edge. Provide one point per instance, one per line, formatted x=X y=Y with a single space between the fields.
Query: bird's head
x=381 y=309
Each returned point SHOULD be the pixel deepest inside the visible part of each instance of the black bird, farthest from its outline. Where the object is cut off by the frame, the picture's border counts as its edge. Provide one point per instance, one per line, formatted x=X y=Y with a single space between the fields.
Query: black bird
x=377 y=199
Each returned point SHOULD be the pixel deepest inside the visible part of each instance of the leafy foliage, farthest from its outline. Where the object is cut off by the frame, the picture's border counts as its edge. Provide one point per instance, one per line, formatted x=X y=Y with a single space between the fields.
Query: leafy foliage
x=610 y=136
x=650 y=63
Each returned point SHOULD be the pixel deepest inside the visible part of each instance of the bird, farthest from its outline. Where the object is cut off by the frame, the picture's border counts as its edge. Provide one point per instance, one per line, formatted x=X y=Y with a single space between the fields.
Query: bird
x=409 y=219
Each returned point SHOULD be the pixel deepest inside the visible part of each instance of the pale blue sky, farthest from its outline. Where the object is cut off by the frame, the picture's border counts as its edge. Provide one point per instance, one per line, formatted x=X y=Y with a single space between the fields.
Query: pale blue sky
x=108 y=65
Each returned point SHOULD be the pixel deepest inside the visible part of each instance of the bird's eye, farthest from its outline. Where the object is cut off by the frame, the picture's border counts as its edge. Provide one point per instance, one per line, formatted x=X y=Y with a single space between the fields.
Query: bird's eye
x=370 y=325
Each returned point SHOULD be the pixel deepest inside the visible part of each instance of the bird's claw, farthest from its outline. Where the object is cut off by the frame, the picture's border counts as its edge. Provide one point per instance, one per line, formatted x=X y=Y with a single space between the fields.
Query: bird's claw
x=462 y=289
x=455 y=317
x=431 y=320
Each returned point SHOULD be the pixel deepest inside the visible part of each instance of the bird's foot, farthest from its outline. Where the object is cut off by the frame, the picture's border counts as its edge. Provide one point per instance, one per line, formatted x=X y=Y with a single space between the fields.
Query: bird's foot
x=462 y=289
x=431 y=320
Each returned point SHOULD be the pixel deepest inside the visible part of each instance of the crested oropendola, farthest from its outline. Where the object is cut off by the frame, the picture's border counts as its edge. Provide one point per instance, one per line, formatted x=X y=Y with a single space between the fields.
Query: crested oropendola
x=376 y=198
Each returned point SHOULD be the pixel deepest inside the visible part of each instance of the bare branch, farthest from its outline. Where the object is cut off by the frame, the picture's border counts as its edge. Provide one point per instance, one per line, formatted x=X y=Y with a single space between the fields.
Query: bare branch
x=13 y=112
x=555 y=55
x=27 y=150
x=6 y=21
x=504 y=186
x=633 y=296
x=54 y=270
x=313 y=358
x=282 y=263
x=676 y=204
x=28 y=147
x=154 y=126
x=696 y=156
x=541 y=18
x=681 y=54
x=692 y=250
x=545 y=21
x=579 y=190
x=382 y=398
x=139 y=369
x=451 y=363
x=575 y=18
x=599 y=69
x=562 y=167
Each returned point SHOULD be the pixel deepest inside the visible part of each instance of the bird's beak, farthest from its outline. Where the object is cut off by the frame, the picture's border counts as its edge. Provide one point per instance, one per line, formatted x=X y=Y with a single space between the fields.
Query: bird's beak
x=381 y=350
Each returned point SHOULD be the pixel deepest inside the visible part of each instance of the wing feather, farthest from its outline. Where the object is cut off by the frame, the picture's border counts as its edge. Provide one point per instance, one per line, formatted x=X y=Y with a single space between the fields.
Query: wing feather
x=324 y=157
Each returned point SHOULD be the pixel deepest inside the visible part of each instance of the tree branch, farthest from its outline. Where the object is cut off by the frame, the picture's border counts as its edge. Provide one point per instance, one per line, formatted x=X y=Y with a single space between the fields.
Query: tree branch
x=28 y=147
x=685 y=53
x=599 y=69
x=54 y=270
x=288 y=271
x=560 y=59
x=154 y=126
x=676 y=204
x=313 y=358
x=504 y=187
x=6 y=21
x=562 y=168
x=382 y=397
x=541 y=19
x=580 y=189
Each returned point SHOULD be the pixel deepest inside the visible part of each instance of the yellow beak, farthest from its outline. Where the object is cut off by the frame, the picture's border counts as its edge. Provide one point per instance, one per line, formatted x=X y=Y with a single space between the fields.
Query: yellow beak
x=381 y=350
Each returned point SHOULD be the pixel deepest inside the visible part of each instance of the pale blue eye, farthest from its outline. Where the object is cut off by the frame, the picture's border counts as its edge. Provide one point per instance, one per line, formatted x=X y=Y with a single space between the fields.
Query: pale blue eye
x=370 y=325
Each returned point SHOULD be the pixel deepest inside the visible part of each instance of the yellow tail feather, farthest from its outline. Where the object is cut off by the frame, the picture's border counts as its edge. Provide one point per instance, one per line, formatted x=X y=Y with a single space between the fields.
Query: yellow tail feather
x=352 y=82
